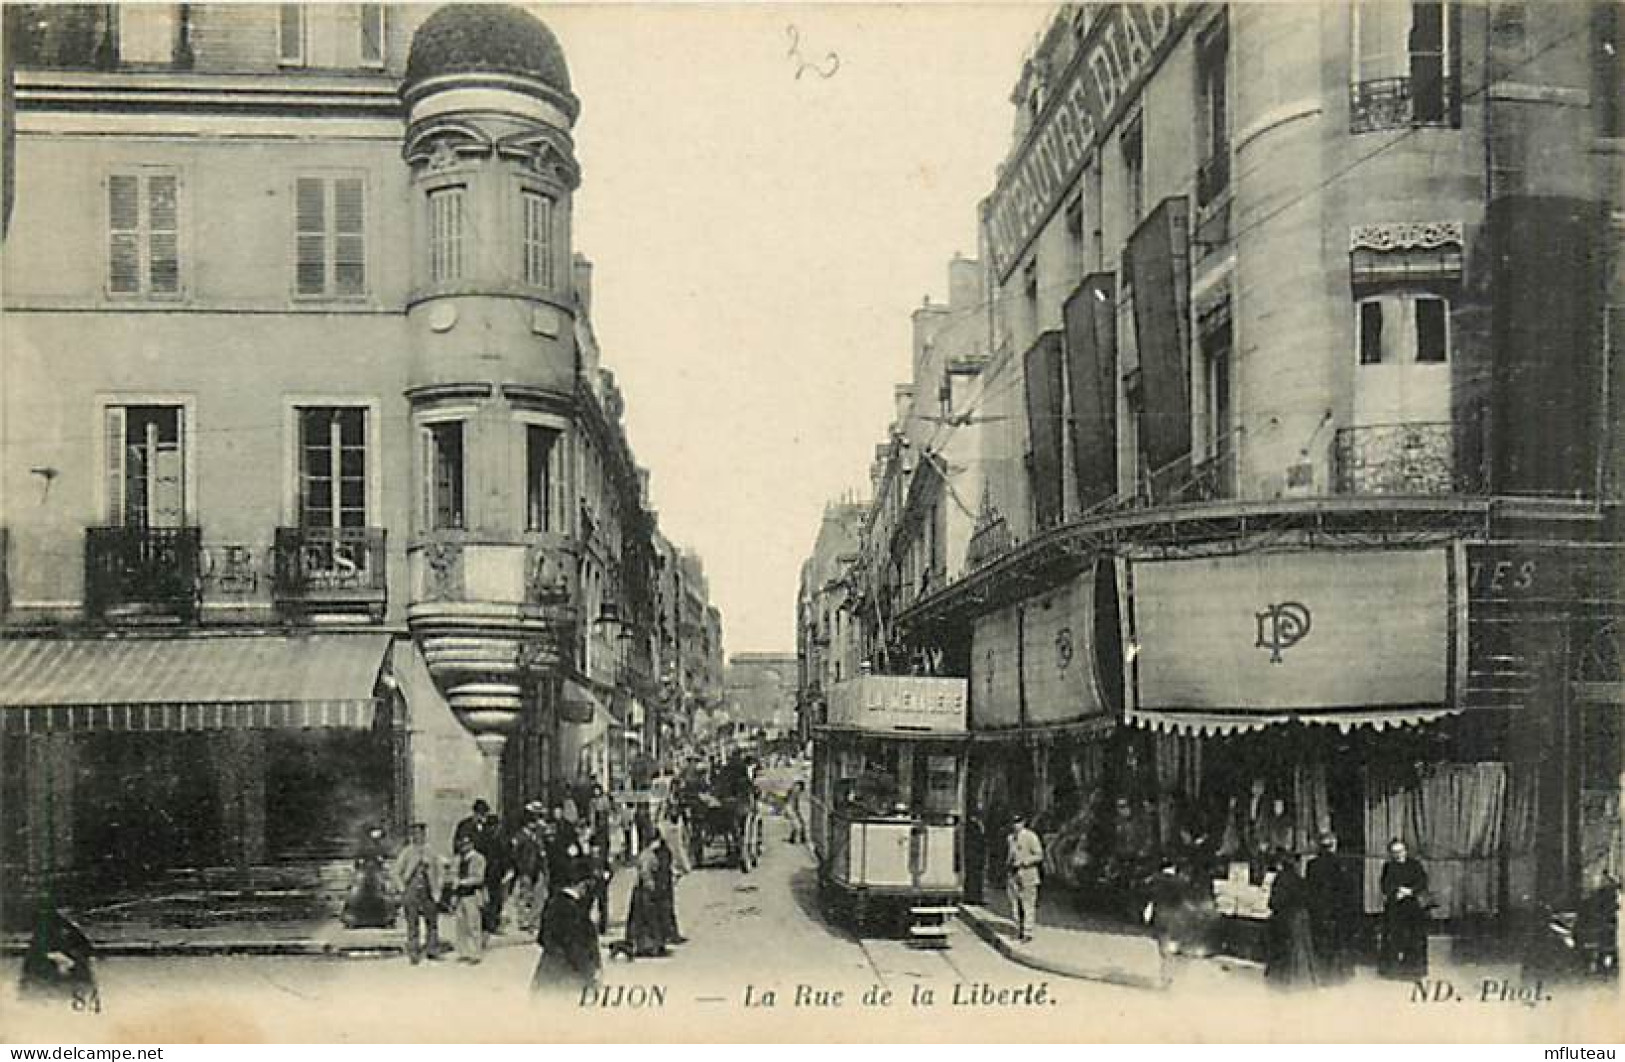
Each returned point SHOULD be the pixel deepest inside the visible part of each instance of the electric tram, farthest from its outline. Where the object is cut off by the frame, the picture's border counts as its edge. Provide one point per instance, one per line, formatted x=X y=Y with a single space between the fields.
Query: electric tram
x=888 y=803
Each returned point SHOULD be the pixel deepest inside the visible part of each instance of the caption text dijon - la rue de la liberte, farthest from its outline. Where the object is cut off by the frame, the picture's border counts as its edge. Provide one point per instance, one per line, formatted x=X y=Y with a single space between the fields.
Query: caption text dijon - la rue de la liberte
x=815 y=997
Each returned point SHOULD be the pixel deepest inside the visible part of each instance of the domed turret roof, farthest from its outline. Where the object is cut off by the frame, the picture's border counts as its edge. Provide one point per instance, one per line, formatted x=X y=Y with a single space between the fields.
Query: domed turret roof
x=487 y=38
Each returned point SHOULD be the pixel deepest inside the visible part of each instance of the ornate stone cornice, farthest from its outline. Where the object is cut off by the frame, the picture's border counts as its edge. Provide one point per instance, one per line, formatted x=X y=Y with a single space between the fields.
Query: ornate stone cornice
x=1405 y=236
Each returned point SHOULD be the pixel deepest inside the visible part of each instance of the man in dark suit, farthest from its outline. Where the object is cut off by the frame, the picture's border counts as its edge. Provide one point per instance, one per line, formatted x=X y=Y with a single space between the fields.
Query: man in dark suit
x=569 y=941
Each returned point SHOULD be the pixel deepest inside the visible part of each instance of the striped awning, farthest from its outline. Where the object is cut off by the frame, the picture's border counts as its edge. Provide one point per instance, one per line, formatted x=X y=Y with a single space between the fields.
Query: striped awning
x=257 y=682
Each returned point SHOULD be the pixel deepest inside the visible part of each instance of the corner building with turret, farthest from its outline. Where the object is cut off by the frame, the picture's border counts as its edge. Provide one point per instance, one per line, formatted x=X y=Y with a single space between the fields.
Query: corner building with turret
x=317 y=507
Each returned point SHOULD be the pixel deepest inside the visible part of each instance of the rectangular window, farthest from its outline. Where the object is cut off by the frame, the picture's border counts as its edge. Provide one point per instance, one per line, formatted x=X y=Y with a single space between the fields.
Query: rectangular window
x=146 y=32
x=540 y=449
x=1213 y=119
x=1432 y=331
x=538 y=239
x=332 y=467
x=291 y=34
x=446 y=476
x=330 y=240
x=445 y=234
x=371 y=18
x=1403 y=71
x=146 y=471
x=143 y=222
x=1371 y=332
x=1401 y=328
x=1134 y=169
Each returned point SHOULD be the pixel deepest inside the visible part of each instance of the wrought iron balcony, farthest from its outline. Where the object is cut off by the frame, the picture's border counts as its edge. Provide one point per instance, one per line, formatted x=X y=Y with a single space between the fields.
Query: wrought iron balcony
x=325 y=569
x=1401 y=102
x=1412 y=459
x=143 y=569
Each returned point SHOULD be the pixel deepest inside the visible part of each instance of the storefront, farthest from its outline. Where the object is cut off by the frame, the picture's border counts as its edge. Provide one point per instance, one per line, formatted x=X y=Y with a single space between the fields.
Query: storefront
x=130 y=760
x=1421 y=693
x=1044 y=707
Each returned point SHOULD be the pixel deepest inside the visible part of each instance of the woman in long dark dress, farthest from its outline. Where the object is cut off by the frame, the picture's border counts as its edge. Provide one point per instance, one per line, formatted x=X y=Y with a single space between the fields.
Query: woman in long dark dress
x=1404 y=884
x=1291 y=957
x=1332 y=912
x=645 y=924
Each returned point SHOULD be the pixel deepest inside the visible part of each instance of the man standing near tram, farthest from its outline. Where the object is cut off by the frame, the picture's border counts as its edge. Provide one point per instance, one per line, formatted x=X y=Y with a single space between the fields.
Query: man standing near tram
x=1024 y=855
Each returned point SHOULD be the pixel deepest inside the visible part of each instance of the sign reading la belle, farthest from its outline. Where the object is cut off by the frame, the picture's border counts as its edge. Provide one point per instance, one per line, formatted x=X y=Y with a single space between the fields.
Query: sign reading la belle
x=1120 y=49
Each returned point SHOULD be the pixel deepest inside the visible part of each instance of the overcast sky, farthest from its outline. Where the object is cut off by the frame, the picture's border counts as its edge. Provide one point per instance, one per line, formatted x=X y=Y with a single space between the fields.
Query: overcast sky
x=759 y=241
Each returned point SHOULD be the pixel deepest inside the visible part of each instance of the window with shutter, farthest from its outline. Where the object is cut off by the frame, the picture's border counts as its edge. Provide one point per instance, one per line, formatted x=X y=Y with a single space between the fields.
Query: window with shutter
x=371 y=44
x=143 y=233
x=146 y=32
x=163 y=251
x=538 y=242
x=291 y=34
x=145 y=466
x=310 y=261
x=124 y=233
x=349 y=242
x=330 y=236
x=445 y=234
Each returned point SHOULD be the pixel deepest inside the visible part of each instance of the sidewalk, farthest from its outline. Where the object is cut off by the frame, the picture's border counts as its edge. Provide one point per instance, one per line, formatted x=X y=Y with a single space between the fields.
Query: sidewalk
x=1073 y=944
x=1070 y=943
x=157 y=928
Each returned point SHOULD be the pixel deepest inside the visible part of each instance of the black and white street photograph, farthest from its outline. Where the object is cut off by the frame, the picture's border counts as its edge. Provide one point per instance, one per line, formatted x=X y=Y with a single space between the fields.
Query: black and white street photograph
x=617 y=521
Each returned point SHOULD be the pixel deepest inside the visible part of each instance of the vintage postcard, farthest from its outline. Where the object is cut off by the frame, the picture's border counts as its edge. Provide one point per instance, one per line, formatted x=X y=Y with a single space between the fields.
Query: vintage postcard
x=838 y=522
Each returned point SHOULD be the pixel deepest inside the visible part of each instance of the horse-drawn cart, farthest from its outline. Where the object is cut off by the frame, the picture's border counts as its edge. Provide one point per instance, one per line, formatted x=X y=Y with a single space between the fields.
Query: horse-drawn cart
x=721 y=813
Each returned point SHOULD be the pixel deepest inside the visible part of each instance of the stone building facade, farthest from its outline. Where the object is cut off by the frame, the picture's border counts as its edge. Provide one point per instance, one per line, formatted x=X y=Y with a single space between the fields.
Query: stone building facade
x=318 y=507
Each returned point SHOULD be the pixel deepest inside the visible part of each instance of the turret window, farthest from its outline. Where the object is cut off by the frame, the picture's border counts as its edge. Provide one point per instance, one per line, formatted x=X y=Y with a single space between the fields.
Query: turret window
x=443 y=459
x=445 y=234
x=538 y=238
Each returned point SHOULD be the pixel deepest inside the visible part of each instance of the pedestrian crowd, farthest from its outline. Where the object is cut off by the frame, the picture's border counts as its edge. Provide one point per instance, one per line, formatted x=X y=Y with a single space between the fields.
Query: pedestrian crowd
x=549 y=871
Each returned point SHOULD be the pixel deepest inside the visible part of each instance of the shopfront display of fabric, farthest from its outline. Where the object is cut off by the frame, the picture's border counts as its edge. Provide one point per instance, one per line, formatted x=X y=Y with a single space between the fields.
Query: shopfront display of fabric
x=1313 y=815
x=1520 y=834
x=1178 y=759
x=1453 y=816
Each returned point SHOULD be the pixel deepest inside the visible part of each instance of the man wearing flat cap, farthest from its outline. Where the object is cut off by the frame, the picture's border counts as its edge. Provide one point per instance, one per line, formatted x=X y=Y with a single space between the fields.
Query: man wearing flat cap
x=417 y=875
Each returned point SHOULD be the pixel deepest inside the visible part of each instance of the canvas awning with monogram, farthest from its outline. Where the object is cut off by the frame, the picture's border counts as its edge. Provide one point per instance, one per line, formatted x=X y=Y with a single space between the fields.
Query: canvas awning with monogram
x=252 y=682
x=1347 y=638
x=1035 y=665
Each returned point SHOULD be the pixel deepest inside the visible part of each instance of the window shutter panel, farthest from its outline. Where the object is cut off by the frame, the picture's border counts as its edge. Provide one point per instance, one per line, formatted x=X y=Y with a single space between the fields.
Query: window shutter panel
x=349 y=251
x=310 y=251
x=163 y=234
x=124 y=233
x=113 y=437
x=372 y=32
x=291 y=33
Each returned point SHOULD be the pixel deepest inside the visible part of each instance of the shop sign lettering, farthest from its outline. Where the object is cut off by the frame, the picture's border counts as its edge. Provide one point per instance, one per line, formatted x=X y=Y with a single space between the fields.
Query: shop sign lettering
x=1525 y=571
x=1121 y=49
x=1281 y=627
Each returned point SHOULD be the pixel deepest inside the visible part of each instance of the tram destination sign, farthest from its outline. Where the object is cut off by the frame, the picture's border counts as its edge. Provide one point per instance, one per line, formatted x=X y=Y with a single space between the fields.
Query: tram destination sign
x=1122 y=46
x=899 y=702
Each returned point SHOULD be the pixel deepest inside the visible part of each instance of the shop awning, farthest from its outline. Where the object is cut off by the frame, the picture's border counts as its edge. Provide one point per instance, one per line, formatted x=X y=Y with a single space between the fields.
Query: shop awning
x=1350 y=638
x=1219 y=723
x=190 y=683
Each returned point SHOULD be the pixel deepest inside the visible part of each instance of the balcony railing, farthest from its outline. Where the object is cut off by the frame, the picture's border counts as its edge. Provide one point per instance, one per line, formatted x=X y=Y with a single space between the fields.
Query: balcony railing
x=142 y=569
x=1401 y=102
x=1413 y=459
x=326 y=569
